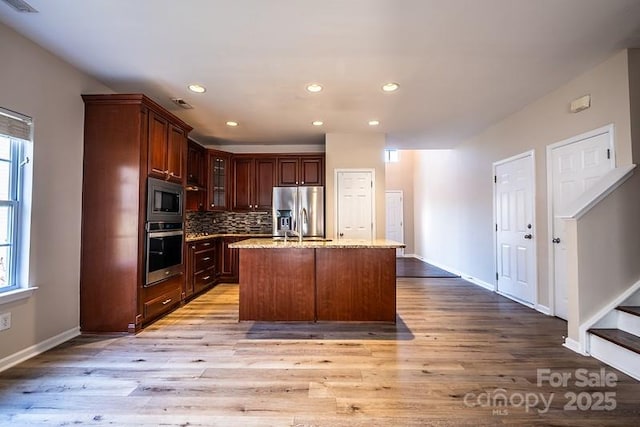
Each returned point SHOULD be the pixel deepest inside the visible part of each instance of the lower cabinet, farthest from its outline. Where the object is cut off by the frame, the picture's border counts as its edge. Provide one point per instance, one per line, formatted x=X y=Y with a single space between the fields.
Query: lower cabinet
x=228 y=261
x=201 y=266
x=161 y=298
x=209 y=262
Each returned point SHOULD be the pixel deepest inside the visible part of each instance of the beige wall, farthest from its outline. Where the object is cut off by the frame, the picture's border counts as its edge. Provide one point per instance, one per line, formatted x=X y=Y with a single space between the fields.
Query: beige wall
x=351 y=151
x=458 y=185
x=399 y=176
x=40 y=85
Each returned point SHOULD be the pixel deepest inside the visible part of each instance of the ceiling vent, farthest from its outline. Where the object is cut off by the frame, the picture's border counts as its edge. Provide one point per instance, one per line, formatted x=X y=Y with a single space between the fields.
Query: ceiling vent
x=21 y=6
x=182 y=103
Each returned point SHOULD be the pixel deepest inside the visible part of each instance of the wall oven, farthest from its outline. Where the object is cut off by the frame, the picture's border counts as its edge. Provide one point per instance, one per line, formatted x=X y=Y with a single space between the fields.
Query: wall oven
x=164 y=251
x=164 y=232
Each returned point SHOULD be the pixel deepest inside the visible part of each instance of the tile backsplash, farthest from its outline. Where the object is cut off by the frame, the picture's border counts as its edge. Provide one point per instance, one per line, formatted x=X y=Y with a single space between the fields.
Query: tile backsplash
x=228 y=222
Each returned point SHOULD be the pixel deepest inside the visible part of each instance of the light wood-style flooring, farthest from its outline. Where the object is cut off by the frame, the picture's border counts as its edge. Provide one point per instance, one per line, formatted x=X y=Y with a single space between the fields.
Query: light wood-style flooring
x=455 y=350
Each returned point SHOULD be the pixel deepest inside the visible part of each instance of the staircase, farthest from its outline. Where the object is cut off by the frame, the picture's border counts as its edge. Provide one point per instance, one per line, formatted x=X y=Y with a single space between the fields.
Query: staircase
x=616 y=340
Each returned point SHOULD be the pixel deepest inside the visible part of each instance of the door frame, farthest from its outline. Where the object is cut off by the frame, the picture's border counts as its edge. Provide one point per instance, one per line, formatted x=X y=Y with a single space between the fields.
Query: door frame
x=399 y=250
x=336 y=199
x=550 y=248
x=532 y=154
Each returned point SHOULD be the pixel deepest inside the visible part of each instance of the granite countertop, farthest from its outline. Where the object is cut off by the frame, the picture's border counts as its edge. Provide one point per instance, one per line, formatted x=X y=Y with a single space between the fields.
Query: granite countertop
x=197 y=237
x=312 y=244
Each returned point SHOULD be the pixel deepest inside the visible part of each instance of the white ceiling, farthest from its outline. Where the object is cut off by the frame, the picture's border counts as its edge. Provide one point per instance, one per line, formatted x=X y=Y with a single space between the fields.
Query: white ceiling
x=462 y=64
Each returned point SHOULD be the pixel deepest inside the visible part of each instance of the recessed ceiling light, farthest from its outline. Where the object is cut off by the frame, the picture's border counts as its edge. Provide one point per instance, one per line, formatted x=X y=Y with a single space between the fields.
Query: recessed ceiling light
x=390 y=87
x=317 y=123
x=197 y=88
x=374 y=122
x=314 y=88
x=232 y=123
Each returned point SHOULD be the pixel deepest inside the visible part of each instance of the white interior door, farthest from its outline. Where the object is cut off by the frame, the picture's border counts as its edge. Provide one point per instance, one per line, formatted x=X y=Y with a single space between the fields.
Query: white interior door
x=394 y=218
x=575 y=165
x=515 y=238
x=355 y=205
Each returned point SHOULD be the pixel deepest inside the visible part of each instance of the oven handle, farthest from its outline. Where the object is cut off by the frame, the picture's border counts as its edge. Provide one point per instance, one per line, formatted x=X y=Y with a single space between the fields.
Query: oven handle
x=166 y=233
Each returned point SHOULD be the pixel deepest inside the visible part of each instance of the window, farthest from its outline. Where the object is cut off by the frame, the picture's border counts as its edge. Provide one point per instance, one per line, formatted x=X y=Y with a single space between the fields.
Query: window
x=391 y=155
x=15 y=151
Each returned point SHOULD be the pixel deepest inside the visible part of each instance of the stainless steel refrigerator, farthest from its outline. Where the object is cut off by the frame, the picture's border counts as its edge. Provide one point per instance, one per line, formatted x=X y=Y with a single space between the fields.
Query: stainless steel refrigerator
x=296 y=208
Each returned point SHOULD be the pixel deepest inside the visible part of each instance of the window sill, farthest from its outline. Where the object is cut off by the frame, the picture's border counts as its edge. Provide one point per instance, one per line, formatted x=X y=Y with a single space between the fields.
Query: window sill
x=16 y=294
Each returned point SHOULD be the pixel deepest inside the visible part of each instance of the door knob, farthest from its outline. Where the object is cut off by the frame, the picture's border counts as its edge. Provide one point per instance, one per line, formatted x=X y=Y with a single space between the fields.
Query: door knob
x=341 y=234
x=556 y=240
x=528 y=236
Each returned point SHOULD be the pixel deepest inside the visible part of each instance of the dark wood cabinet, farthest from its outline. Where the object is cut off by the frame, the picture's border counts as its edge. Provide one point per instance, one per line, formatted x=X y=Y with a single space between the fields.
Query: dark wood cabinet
x=294 y=170
x=228 y=259
x=196 y=192
x=253 y=182
x=196 y=154
x=122 y=133
x=218 y=180
x=202 y=260
x=167 y=146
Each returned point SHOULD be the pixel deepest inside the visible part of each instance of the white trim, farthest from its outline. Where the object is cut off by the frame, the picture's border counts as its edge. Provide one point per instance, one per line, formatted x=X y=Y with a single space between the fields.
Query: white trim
x=601 y=189
x=37 y=349
x=574 y=345
x=543 y=309
x=16 y=295
x=532 y=154
x=617 y=356
x=583 y=335
x=373 y=198
x=550 y=250
x=462 y=275
x=400 y=250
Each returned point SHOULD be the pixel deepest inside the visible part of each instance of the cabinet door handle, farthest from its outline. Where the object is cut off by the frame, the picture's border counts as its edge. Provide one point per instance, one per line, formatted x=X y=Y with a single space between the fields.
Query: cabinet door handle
x=167 y=301
x=206 y=258
x=206 y=244
x=206 y=278
x=302 y=182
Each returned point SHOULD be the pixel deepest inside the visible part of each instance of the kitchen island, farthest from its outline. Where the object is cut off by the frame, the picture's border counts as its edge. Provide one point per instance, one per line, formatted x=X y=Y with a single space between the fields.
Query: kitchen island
x=342 y=280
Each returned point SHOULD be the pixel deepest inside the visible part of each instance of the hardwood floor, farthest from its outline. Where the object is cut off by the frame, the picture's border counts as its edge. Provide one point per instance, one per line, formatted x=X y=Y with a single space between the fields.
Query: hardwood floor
x=455 y=348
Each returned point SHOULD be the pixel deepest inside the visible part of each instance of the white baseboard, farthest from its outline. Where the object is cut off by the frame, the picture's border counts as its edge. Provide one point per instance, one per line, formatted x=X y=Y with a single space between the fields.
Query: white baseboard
x=573 y=345
x=36 y=349
x=543 y=309
x=462 y=275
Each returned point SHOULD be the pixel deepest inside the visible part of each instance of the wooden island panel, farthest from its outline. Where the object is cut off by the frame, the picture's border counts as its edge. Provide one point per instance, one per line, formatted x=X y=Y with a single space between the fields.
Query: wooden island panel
x=277 y=285
x=356 y=284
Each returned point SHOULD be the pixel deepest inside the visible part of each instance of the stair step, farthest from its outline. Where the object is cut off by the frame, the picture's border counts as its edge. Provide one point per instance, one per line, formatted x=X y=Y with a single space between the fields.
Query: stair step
x=621 y=338
x=629 y=309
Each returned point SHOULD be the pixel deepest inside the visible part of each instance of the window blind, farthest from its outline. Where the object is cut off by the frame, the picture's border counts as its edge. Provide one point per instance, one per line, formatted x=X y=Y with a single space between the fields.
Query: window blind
x=15 y=125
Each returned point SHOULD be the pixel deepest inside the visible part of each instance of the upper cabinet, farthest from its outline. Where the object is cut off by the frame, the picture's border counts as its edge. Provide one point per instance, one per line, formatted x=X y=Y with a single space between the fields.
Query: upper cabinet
x=196 y=194
x=196 y=155
x=294 y=170
x=167 y=146
x=253 y=180
x=218 y=180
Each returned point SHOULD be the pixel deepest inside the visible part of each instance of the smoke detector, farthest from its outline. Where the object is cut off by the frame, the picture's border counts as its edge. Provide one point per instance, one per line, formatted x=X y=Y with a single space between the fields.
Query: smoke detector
x=21 y=6
x=182 y=103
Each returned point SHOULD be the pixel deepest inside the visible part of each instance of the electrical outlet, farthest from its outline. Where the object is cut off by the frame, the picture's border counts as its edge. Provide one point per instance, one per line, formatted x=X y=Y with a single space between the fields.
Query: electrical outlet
x=5 y=321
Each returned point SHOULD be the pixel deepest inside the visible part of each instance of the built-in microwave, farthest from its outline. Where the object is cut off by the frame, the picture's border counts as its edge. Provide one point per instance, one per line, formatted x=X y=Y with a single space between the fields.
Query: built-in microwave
x=164 y=201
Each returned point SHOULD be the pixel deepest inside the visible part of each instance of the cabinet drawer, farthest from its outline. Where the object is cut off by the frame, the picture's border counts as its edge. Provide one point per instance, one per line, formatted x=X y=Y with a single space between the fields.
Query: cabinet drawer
x=205 y=259
x=204 y=279
x=161 y=304
x=204 y=245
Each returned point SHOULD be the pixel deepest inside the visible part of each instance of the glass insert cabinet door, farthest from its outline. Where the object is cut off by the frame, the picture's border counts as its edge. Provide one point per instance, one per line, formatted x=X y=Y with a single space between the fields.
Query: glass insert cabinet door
x=218 y=183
